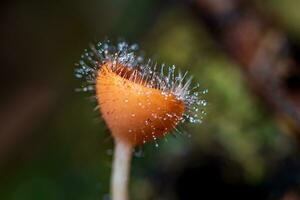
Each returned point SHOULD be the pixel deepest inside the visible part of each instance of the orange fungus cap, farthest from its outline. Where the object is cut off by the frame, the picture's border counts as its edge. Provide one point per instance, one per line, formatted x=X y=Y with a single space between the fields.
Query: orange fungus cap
x=134 y=112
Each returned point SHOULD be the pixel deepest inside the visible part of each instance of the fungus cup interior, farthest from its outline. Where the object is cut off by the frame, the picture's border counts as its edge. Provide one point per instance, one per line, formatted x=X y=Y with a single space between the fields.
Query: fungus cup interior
x=135 y=112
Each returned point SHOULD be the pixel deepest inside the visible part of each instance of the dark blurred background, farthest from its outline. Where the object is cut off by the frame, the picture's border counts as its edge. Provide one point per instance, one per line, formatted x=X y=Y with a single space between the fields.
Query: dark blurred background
x=247 y=53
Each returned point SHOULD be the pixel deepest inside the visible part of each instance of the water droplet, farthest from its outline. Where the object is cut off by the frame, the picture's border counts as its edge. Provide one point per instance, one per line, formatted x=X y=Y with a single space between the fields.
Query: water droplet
x=138 y=152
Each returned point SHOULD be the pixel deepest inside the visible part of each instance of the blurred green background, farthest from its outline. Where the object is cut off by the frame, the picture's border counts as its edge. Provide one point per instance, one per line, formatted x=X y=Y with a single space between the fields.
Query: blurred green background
x=54 y=146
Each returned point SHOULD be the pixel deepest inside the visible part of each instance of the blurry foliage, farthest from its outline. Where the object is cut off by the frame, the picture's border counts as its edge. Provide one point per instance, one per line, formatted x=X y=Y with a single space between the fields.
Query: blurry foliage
x=286 y=12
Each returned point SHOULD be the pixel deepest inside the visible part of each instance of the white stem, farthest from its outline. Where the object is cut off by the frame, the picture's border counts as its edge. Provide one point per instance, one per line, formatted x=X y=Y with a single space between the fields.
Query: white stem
x=120 y=171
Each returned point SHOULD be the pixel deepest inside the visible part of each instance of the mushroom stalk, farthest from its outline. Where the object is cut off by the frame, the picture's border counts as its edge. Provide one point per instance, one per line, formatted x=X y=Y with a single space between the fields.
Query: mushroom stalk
x=120 y=171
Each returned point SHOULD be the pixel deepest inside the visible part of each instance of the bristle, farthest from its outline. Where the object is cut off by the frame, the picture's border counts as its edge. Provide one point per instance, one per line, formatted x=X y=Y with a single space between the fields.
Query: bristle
x=164 y=78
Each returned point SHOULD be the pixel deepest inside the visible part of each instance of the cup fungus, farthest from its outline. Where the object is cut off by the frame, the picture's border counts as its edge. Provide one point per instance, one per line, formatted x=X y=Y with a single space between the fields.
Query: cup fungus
x=138 y=102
